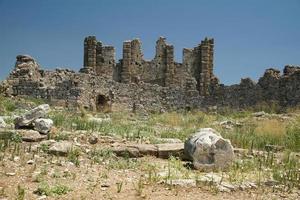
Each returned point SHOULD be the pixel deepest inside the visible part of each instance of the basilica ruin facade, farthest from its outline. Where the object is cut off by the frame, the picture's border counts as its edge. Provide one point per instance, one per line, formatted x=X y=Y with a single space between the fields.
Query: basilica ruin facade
x=148 y=85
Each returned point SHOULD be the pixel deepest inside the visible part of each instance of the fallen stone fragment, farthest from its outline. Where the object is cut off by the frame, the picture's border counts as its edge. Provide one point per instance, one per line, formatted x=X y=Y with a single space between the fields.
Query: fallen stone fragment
x=31 y=135
x=210 y=178
x=208 y=150
x=228 y=186
x=167 y=150
x=260 y=114
x=30 y=116
x=247 y=185
x=61 y=148
x=2 y=123
x=30 y=162
x=221 y=188
x=10 y=173
x=271 y=183
x=124 y=151
x=43 y=125
x=146 y=149
x=274 y=148
x=182 y=182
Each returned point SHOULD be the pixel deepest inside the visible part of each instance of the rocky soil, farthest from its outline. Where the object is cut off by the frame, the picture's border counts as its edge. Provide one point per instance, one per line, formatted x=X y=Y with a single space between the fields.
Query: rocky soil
x=40 y=160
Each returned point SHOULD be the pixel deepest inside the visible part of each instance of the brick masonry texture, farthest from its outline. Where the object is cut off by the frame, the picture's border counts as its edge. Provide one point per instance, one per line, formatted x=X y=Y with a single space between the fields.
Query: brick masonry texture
x=157 y=85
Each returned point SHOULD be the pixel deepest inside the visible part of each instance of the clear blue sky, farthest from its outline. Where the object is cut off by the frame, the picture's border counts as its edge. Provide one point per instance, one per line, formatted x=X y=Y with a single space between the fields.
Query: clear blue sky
x=250 y=35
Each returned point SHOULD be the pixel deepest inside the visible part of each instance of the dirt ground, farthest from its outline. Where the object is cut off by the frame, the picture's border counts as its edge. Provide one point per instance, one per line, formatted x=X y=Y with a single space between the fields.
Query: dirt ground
x=105 y=180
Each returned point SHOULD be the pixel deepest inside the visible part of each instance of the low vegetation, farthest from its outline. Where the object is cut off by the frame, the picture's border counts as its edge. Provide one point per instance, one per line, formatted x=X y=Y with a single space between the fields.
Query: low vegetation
x=99 y=170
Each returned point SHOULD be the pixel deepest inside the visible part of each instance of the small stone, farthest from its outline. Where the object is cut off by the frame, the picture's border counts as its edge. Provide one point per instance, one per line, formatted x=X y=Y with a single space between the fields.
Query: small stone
x=2 y=123
x=16 y=158
x=10 y=173
x=42 y=197
x=93 y=139
x=30 y=162
x=106 y=185
x=221 y=188
x=182 y=182
x=42 y=125
x=271 y=183
x=60 y=148
x=259 y=114
x=228 y=186
x=211 y=178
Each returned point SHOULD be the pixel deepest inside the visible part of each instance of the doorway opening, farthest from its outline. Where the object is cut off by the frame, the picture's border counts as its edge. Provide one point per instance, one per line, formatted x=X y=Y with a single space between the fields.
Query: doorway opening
x=102 y=103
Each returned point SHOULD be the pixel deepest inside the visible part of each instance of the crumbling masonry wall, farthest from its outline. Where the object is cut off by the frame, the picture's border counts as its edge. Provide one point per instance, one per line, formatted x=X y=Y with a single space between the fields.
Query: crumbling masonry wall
x=137 y=84
x=272 y=88
x=98 y=59
x=161 y=70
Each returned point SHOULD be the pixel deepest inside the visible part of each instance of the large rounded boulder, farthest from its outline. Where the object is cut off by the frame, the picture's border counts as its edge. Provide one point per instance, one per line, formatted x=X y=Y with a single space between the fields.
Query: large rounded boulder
x=208 y=150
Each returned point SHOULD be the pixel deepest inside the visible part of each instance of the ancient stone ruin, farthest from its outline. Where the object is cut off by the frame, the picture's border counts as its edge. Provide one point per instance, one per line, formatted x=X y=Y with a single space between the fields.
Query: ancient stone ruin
x=141 y=85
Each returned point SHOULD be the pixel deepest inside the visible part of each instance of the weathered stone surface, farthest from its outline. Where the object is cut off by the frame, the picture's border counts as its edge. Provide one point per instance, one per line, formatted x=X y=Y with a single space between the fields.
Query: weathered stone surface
x=31 y=135
x=30 y=116
x=2 y=123
x=61 y=148
x=146 y=149
x=158 y=150
x=208 y=150
x=43 y=125
x=124 y=151
x=167 y=150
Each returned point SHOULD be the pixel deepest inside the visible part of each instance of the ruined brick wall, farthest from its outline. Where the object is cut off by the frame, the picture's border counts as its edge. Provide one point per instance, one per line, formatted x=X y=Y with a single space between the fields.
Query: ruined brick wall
x=137 y=84
x=164 y=71
x=67 y=88
x=159 y=71
x=272 y=87
x=98 y=59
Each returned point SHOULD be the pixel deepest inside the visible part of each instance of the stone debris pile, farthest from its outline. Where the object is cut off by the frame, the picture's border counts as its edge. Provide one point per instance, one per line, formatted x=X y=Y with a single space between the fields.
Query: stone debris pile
x=32 y=125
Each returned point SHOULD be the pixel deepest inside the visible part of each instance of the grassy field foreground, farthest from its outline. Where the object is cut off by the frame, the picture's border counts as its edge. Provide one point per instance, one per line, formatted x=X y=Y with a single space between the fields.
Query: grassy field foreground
x=94 y=172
